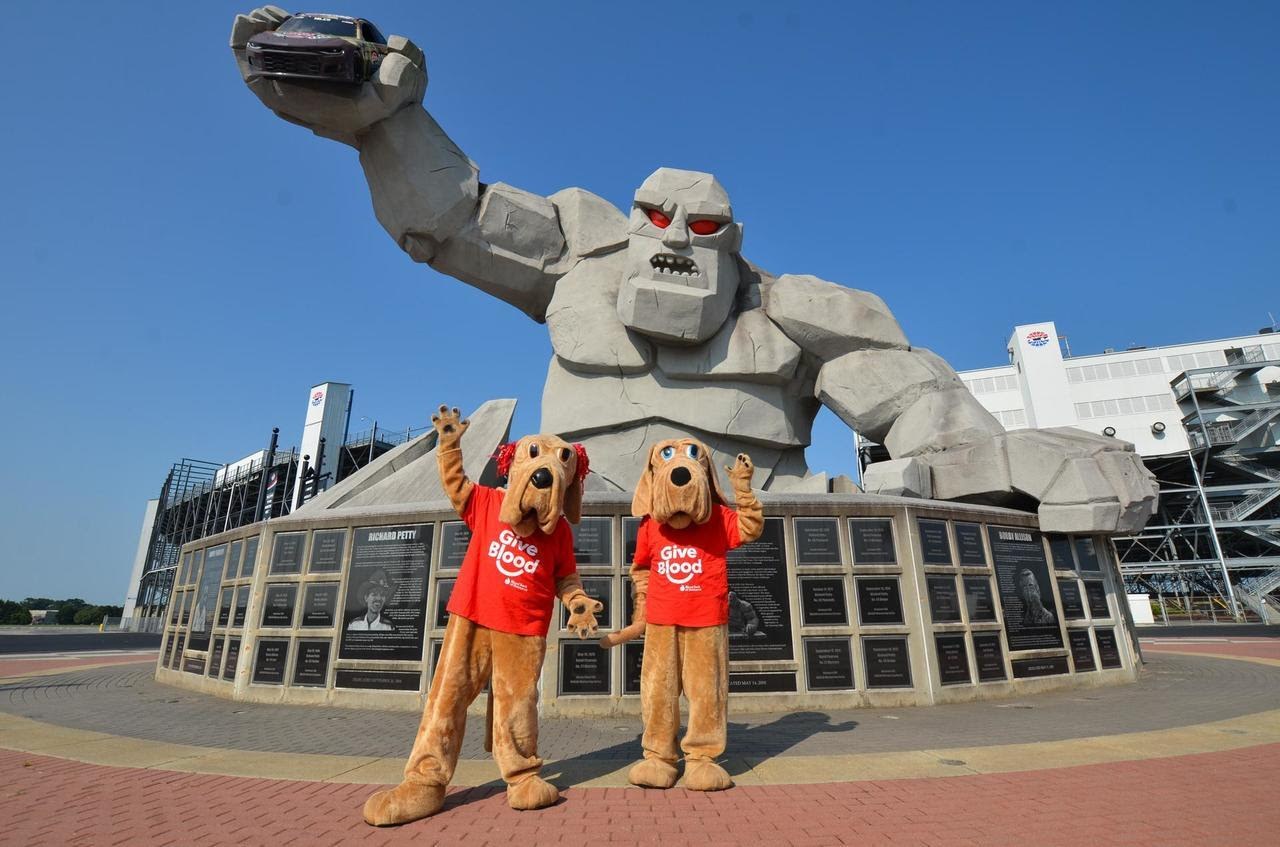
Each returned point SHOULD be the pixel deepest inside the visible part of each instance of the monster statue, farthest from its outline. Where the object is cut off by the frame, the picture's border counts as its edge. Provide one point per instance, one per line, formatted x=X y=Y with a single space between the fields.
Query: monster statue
x=661 y=329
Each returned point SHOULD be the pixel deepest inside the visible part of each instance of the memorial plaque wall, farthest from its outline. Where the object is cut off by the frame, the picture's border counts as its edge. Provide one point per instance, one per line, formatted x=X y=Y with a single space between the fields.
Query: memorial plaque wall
x=977 y=596
x=232 y=567
x=886 y=662
x=632 y=663
x=969 y=545
x=822 y=601
x=286 y=554
x=377 y=680
x=988 y=656
x=326 y=551
x=233 y=659
x=817 y=541
x=168 y=650
x=872 y=540
x=177 y=651
x=215 y=656
x=250 y=557
x=242 y=605
x=828 y=664
x=759 y=600
x=206 y=598
x=454 y=538
x=1026 y=597
x=1096 y=592
x=268 y=667
x=935 y=548
x=386 y=607
x=762 y=682
x=593 y=541
x=953 y=659
x=1069 y=594
x=319 y=604
x=1060 y=550
x=444 y=590
x=944 y=602
x=312 y=666
x=224 y=606
x=597 y=588
x=278 y=604
x=1050 y=666
x=1087 y=554
x=194 y=664
x=1108 y=649
x=584 y=669
x=879 y=602
x=1081 y=649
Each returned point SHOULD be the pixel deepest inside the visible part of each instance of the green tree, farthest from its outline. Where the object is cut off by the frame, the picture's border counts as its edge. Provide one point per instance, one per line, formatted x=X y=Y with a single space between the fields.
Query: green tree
x=13 y=613
x=88 y=615
x=67 y=611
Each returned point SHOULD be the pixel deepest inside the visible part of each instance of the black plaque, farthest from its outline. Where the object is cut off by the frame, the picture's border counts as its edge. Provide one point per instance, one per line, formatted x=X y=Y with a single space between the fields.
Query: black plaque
x=312 y=667
x=584 y=669
x=828 y=664
x=1096 y=592
x=268 y=667
x=278 y=604
x=944 y=602
x=444 y=590
x=988 y=656
x=386 y=609
x=978 y=599
x=1081 y=650
x=194 y=664
x=759 y=602
x=630 y=532
x=215 y=656
x=197 y=561
x=817 y=541
x=455 y=537
x=935 y=548
x=765 y=682
x=632 y=663
x=1051 y=666
x=436 y=647
x=953 y=659
x=224 y=606
x=168 y=650
x=286 y=555
x=822 y=601
x=1060 y=550
x=593 y=541
x=969 y=545
x=184 y=569
x=232 y=568
x=597 y=588
x=185 y=617
x=326 y=551
x=886 y=662
x=1108 y=649
x=1022 y=578
x=1069 y=594
x=250 y=557
x=872 y=541
x=177 y=651
x=1087 y=554
x=319 y=602
x=242 y=606
x=628 y=602
x=879 y=602
x=205 y=611
x=233 y=658
x=377 y=680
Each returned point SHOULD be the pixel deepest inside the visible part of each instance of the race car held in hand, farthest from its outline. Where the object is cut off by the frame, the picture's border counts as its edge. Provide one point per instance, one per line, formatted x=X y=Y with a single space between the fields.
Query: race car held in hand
x=314 y=46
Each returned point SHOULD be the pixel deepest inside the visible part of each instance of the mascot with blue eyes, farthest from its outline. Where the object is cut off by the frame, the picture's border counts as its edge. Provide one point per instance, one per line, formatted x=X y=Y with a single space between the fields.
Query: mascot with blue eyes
x=680 y=585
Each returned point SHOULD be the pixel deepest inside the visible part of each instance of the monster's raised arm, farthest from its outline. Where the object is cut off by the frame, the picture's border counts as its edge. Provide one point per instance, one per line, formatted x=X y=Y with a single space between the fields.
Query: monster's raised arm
x=426 y=192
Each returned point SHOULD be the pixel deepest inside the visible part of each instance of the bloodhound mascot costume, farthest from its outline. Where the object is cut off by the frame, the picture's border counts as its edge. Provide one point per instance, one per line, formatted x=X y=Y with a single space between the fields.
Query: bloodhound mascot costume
x=681 y=594
x=519 y=560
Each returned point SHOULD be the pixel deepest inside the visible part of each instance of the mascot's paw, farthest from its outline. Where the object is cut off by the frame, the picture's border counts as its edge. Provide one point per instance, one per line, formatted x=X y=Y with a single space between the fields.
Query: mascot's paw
x=408 y=801
x=653 y=773
x=705 y=775
x=532 y=793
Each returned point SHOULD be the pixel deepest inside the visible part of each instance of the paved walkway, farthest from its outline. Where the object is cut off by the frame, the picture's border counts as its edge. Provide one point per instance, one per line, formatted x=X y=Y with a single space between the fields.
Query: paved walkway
x=1188 y=755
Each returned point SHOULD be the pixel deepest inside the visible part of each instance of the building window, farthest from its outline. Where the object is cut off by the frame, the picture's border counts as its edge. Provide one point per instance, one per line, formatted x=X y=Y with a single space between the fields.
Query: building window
x=1124 y=406
x=991 y=384
x=1187 y=361
x=1114 y=370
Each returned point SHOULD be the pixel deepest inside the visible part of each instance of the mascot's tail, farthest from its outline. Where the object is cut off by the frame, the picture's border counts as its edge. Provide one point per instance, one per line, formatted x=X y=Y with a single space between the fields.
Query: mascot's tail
x=622 y=636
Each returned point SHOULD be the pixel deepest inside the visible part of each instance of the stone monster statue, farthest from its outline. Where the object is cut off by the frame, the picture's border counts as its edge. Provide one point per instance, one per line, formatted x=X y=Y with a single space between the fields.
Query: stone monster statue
x=661 y=329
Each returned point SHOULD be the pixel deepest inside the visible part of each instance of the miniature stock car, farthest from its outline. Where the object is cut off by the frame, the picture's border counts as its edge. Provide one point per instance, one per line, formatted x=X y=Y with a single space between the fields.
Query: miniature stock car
x=313 y=46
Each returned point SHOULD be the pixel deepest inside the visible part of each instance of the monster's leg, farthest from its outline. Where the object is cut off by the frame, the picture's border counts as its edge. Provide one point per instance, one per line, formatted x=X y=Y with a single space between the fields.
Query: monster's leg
x=705 y=676
x=517 y=662
x=660 y=705
x=460 y=674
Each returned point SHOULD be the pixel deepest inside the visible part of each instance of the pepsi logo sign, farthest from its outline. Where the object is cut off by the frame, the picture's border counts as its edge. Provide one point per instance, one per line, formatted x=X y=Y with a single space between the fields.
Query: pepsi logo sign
x=1037 y=338
x=317 y=398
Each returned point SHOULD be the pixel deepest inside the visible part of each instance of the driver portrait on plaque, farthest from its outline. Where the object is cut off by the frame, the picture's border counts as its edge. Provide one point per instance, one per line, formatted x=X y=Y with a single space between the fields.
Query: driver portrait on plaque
x=376 y=591
x=743 y=619
x=1033 y=611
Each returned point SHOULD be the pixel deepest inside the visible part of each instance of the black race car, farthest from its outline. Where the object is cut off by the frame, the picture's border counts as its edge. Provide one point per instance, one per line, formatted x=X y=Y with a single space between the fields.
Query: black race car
x=314 y=46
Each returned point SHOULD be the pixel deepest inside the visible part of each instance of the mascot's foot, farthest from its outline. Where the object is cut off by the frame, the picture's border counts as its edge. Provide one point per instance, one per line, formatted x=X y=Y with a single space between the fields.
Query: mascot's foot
x=705 y=775
x=532 y=793
x=408 y=801
x=653 y=773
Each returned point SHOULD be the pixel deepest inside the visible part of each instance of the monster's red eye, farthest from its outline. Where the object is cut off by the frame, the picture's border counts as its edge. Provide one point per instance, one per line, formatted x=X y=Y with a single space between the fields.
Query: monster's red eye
x=658 y=219
x=704 y=227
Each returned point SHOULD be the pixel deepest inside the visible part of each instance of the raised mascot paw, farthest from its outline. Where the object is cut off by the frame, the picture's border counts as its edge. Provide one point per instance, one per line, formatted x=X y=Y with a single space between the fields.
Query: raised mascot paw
x=449 y=427
x=741 y=472
x=582 y=616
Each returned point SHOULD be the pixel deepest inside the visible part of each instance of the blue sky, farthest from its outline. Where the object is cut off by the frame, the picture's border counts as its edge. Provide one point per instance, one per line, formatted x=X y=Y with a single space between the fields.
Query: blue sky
x=179 y=266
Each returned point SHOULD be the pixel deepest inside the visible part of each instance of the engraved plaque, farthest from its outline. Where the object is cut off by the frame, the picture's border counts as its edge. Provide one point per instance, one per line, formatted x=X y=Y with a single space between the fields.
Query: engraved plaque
x=215 y=657
x=879 y=603
x=944 y=602
x=886 y=662
x=988 y=656
x=1060 y=550
x=828 y=664
x=1096 y=592
x=872 y=540
x=1087 y=554
x=822 y=601
x=767 y=682
x=935 y=548
x=978 y=598
x=312 y=667
x=817 y=541
x=1051 y=666
x=326 y=550
x=268 y=668
x=286 y=554
x=953 y=659
x=454 y=538
x=319 y=603
x=969 y=545
x=250 y=556
x=377 y=680
x=584 y=668
x=233 y=658
x=444 y=590
x=1108 y=649
x=1081 y=649
x=1072 y=604
x=593 y=541
x=1026 y=597
x=632 y=663
x=278 y=603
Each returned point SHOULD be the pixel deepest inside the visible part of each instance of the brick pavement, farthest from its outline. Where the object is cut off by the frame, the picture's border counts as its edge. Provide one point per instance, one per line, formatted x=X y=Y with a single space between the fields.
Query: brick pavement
x=30 y=665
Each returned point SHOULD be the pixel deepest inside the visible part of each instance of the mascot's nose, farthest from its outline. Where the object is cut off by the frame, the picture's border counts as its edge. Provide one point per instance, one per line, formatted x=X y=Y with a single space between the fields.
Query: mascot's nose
x=541 y=478
x=681 y=476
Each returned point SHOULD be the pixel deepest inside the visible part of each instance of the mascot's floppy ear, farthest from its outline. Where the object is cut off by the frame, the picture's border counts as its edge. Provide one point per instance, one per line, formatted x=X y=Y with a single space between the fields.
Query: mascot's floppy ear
x=642 y=502
x=713 y=479
x=573 y=494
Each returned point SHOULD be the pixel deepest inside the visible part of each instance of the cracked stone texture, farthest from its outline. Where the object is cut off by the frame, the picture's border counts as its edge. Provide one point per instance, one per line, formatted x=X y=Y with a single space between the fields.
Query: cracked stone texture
x=899 y=477
x=591 y=224
x=583 y=320
x=940 y=420
x=830 y=320
x=869 y=389
x=748 y=345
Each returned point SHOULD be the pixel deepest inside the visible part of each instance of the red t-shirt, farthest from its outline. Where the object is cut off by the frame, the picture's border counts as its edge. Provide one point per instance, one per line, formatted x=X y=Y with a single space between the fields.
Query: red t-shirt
x=507 y=582
x=688 y=580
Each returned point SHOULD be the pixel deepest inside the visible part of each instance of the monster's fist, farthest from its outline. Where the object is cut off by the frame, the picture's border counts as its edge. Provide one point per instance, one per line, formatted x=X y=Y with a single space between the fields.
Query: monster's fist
x=1083 y=482
x=332 y=109
x=449 y=427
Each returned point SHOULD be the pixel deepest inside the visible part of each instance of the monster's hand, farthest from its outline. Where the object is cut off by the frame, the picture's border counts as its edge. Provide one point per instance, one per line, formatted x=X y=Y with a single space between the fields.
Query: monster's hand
x=332 y=109
x=1083 y=482
x=449 y=427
